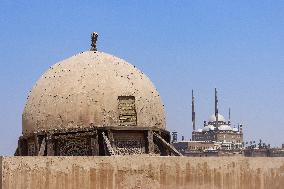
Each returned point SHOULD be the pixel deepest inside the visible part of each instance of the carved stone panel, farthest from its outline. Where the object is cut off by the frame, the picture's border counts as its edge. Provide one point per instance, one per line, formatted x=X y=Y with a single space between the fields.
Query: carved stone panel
x=73 y=145
x=129 y=143
x=127 y=111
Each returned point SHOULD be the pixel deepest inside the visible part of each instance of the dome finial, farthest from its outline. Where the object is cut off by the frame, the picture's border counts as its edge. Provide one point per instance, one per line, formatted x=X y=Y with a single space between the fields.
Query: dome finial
x=94 y=37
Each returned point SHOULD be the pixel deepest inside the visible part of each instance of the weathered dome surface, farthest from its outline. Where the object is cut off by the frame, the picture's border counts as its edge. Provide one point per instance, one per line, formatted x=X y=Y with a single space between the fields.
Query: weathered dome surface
x=83 y=90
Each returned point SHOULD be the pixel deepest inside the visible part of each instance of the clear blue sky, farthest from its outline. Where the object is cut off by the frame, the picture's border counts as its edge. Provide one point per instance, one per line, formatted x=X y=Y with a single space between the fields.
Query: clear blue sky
x=236 y=46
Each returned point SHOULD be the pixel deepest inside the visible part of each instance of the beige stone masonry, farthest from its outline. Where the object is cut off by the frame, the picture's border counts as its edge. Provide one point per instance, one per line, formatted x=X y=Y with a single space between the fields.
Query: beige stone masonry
x=141 y=172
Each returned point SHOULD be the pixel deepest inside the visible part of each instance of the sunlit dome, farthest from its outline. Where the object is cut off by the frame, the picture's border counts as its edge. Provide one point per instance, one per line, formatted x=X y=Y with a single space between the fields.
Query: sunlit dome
x=213 y=118
x=83 y=90
x=199 y=130
x=208 y=128
x=225 y=128
x=235 y=129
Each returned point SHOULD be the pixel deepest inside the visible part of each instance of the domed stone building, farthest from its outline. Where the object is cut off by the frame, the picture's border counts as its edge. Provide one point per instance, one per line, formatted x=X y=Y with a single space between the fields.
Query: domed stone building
x=94 y=103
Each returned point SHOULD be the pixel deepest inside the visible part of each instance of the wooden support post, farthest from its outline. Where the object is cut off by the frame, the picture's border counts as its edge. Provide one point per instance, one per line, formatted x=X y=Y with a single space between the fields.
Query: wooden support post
x=167 y=145
x=110 y=137
x=50 y=145
x=151 y=148
x=36 y=139
x=23 y=146
x=95 y=144
x=42 y=148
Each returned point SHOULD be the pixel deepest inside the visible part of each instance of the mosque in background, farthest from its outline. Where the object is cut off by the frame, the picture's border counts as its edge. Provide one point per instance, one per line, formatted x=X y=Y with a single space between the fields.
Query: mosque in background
x=216 y=138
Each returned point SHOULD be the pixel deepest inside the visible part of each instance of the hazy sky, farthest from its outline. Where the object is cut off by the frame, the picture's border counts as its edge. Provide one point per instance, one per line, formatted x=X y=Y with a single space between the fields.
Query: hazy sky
x=236 y=46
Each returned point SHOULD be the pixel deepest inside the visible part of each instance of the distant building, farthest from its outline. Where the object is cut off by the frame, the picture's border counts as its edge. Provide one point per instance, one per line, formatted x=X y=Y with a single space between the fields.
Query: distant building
x=216 y=138
x=263 y=150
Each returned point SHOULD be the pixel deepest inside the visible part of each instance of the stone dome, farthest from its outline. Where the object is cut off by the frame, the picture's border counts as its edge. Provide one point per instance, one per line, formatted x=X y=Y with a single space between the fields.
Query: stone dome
x=83 y=91
x=225 y=128
x=213 y=118
x=235 y=129
x=199 y=130
x=208 y=128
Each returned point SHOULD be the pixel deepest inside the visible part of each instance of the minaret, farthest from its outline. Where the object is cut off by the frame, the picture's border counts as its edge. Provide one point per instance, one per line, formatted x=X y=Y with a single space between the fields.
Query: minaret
x=229 y=114
x=229 y=121
x=216 y=108
x=192 y=111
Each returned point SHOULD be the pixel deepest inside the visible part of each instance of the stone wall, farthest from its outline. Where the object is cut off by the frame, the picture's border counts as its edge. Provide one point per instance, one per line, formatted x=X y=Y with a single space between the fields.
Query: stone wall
x=142 y=172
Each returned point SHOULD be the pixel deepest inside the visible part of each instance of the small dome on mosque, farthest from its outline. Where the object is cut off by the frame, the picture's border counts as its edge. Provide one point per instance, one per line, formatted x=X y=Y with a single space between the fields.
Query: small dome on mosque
x=199 y=130
x=213 y=118
x=225 y=128
x=235 y=129
x=208 y=128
